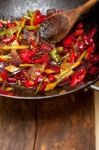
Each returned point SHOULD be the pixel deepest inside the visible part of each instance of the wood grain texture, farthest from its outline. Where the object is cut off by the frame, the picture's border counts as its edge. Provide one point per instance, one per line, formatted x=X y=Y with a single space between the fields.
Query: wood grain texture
x=66 y=123
x=62 y=123
x=17 y=124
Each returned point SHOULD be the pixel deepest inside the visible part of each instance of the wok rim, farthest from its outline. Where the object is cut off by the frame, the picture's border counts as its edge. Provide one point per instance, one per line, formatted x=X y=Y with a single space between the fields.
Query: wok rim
x=53 y=96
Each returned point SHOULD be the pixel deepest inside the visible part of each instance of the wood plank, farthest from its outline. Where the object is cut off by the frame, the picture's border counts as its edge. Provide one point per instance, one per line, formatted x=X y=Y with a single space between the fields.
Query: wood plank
x=17 y=124
x=66 y=123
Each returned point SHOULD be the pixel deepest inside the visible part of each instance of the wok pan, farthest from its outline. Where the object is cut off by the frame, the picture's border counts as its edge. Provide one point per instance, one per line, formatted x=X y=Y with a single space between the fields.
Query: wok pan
x=10 y=9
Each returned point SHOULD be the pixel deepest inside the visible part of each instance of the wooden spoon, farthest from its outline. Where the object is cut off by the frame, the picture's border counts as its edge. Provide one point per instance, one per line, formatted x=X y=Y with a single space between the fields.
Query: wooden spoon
x=57 y=26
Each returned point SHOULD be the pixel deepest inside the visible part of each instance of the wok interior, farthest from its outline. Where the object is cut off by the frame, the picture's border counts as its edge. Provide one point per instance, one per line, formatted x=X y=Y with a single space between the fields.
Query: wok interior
x=11 y=9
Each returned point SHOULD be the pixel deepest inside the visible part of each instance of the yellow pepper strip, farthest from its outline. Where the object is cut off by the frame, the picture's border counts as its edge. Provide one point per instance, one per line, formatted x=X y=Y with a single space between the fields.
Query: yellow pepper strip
x=21 y=27
x=66 y=65
x=1 y=79
x=9 y=89
x=32 y=27
x=82 y=56
x=26 y=65
x=12 y=68
x=51 y=86
x=5 y=57
x=49 y=71
x=7 y=48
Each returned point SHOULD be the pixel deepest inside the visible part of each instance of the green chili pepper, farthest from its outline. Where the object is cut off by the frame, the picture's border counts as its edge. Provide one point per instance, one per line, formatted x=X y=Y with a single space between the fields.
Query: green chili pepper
x=54 y=55
x=2 y=33
x=30 y=13
x=32 y=27
x=60 y=49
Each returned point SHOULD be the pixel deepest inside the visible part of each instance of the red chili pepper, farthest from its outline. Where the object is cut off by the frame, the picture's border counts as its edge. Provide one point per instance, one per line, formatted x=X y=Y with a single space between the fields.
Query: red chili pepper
x=94 y=70
x=1 y=24
x=51 y=78
x=91 y=41
x=78 y=77
x=38 y=80
x=11 y=80
x=43 y=86
x=33 y=43
x=4 y=75
x=39 y=18
x=27 y=22
x=73 y=57
x=86 y=40
x=68 y=41
x=10 y=24
x=56 y=69
x=81 y=46
x=28 y=84
x=78 y=32
x=90 y=51
x=9 y=39
x=80 y=26
x=43 y=59
x=27 y=54
x=92 y=33
x=95 y=58
x=45 y=46
x=5 y=92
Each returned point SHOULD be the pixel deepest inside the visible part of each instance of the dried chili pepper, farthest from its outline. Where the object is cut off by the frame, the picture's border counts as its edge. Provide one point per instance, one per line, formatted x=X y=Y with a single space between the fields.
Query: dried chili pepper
x=68 y=41
x=90 y=51
x=78 y=77
x=26 y=55
x=9 y=39
x=28 y=84
x=45 y=46
x=10 y=24
x=51 y=78
x=1 y=24
x=43 y=59
x=43 y=87
x=73 y=57
x=91 y=33
x=4 y=75
x=78 y=32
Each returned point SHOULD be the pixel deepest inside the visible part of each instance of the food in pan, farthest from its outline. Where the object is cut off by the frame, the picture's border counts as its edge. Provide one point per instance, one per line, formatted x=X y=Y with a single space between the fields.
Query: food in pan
x=29 y=61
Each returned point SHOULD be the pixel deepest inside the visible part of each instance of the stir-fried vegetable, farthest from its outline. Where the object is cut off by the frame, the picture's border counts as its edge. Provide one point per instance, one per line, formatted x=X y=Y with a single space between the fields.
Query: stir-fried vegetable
x=31 y=62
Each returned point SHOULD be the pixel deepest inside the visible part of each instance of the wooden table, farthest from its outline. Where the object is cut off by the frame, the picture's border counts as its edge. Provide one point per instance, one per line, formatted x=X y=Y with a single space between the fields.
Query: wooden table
x=62 y=123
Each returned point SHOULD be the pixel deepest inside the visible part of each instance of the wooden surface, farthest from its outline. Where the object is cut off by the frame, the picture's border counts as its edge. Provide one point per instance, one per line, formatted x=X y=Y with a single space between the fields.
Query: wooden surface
x=64 y=123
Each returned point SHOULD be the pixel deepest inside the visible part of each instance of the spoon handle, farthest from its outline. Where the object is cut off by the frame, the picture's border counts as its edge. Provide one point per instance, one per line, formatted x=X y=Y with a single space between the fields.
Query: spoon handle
x=87 y=6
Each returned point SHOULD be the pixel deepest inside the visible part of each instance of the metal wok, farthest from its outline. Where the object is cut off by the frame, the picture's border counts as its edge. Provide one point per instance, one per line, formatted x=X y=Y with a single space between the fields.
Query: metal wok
x=10 y=9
